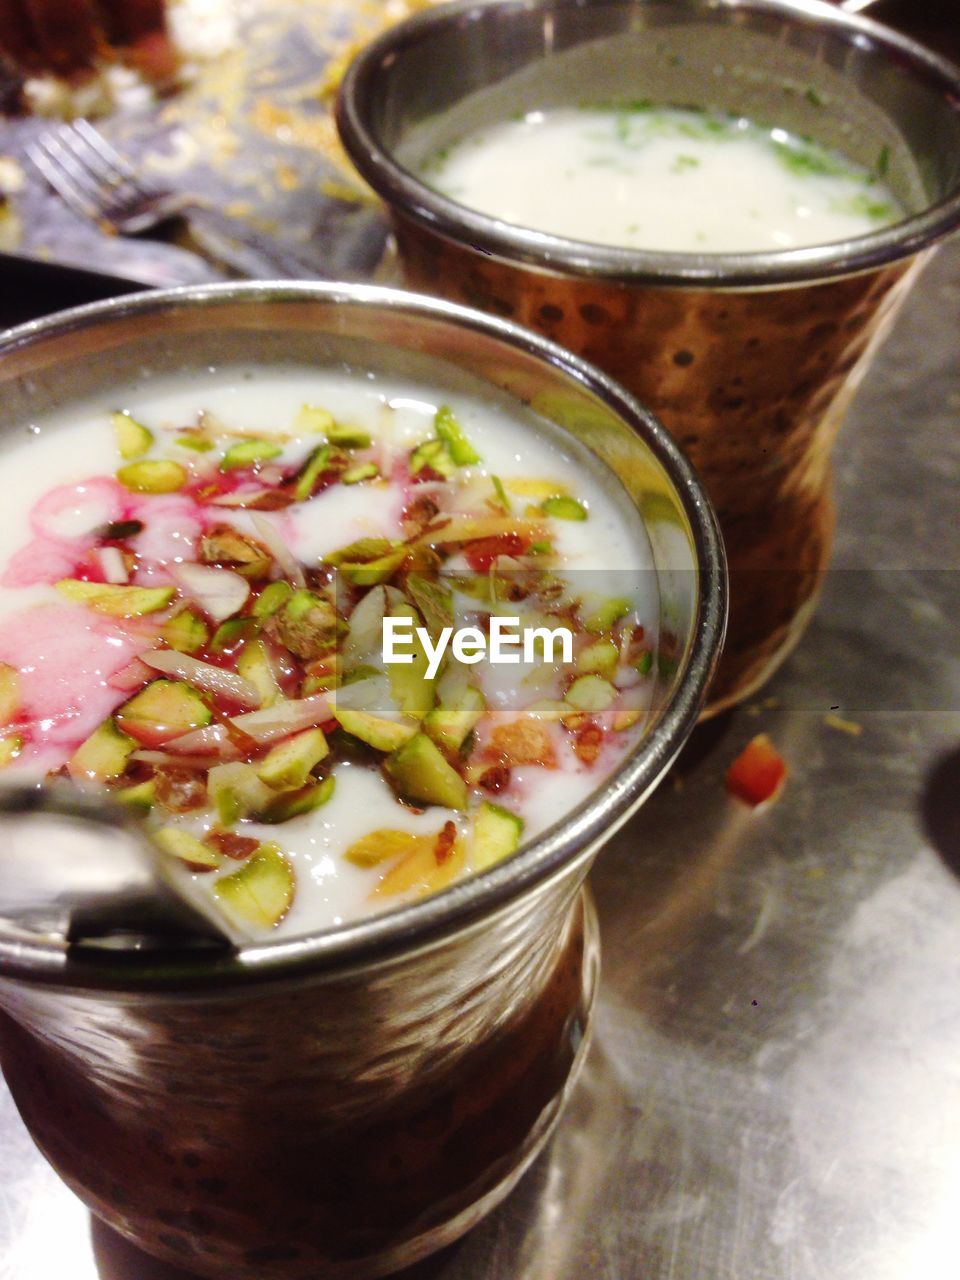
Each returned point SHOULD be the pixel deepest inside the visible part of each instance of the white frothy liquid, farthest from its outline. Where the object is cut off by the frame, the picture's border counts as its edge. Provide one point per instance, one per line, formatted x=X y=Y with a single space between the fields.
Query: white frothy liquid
x=75 y=446
x=663 y=179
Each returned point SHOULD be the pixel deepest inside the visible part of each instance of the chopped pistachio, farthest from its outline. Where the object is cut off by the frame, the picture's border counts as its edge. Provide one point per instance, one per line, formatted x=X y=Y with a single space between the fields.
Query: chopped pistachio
x=496 y=834
x=377 y=732
x=563 y=507
x=288 y=765
x=313 y=419
x=10 y=748
x=254 y=665
x=152 y=477
x=307 y=624
x=448 y=429
x=186 y=846
x=225 y=545
x=602 y=657
x=605 y=615
x=233 y=634
x=236 y=791
x=356 y=475
x=412 y=691
x=644 y=664
x=501 y=493
x=435 y=455
x=133 y=438
x=117 y=601
x=164 y=709
x=419 y=771
x=294 y=804
x=104 y=755
x=449 y=723
x=271 y=599
x=348 y=437
x=247 y=453
x=310 y=472
x=141 y=796
x=261 y=892
x=186 y=631
x=591 y=693
x=194 y=441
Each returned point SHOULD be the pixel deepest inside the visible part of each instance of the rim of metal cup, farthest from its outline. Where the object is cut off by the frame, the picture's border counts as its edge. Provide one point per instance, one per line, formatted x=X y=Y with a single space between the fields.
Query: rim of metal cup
x=405 y=929
x=401 y=189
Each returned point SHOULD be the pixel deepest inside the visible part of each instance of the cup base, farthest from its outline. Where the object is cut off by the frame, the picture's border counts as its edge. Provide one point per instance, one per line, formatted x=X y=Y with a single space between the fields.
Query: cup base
x=517 y=1085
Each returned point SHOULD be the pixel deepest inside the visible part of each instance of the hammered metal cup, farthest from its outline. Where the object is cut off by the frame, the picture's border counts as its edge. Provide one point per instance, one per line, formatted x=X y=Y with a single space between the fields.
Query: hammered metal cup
x=749 y=359
x=341 y=1104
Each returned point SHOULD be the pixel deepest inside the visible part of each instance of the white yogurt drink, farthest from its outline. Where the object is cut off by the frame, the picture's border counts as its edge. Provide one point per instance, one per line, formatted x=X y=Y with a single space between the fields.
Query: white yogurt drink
x=194 y=579
x=643 y=177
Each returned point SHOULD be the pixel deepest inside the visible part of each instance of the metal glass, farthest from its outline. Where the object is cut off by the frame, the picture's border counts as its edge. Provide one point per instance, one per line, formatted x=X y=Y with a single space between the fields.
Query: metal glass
x=341 y=1104
x=749 y=359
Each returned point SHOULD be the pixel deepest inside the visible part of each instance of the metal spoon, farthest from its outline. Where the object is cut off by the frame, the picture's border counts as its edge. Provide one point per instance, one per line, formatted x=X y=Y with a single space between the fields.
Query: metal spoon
x=75 y=867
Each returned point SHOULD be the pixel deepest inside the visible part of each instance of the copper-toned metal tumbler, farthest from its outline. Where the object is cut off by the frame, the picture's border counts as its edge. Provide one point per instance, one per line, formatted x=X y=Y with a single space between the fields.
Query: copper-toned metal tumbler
x=340 y=1104
x=749 y=359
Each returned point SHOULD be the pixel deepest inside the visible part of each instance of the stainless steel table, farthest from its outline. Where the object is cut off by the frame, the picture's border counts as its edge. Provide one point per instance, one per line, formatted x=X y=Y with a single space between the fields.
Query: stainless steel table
x=774 y=1085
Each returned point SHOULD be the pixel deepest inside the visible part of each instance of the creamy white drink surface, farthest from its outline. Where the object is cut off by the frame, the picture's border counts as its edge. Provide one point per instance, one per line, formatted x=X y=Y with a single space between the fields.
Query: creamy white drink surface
x=665 y=179
x=191 y=598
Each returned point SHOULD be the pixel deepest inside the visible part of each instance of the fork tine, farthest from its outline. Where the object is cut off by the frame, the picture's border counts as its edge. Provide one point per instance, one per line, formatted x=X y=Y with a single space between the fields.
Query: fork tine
x=117 y=182
x=68 y=179
x=108 y=154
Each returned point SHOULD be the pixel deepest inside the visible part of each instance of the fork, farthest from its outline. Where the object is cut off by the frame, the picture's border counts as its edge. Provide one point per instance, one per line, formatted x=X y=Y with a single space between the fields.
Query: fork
x=96 y=182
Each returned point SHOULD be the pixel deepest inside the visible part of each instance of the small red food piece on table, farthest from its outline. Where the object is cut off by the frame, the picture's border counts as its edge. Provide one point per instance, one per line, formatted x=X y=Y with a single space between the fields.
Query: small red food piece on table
x=758 y=773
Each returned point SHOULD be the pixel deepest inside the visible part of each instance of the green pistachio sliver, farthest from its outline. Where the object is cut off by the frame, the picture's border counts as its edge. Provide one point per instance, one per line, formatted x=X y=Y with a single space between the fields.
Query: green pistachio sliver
x=133 y=438
x=348 y=436
x=296 y=803
x=448 y=430
x=140 y=796
x=314 y=420
x=247 y=453
x=152 y=477
x=600 y=658
x=194 y=441
x=644 y=665
x=363 y=551
x=313 y=468
x=187 y=847
x=540 y=549
x=501 y=493
x=370 y=572
x=186 y=632
x=611 y=611
x=261 y=892
x=365 y=471
x=435 y=455
x=233 y=633
x=271 y=599
x=591 y=693
x=114 y=600
x=563 y=507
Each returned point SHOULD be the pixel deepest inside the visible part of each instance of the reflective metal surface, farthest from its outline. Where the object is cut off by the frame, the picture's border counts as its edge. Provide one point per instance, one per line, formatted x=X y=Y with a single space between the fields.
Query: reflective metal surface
x=772 y=1090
